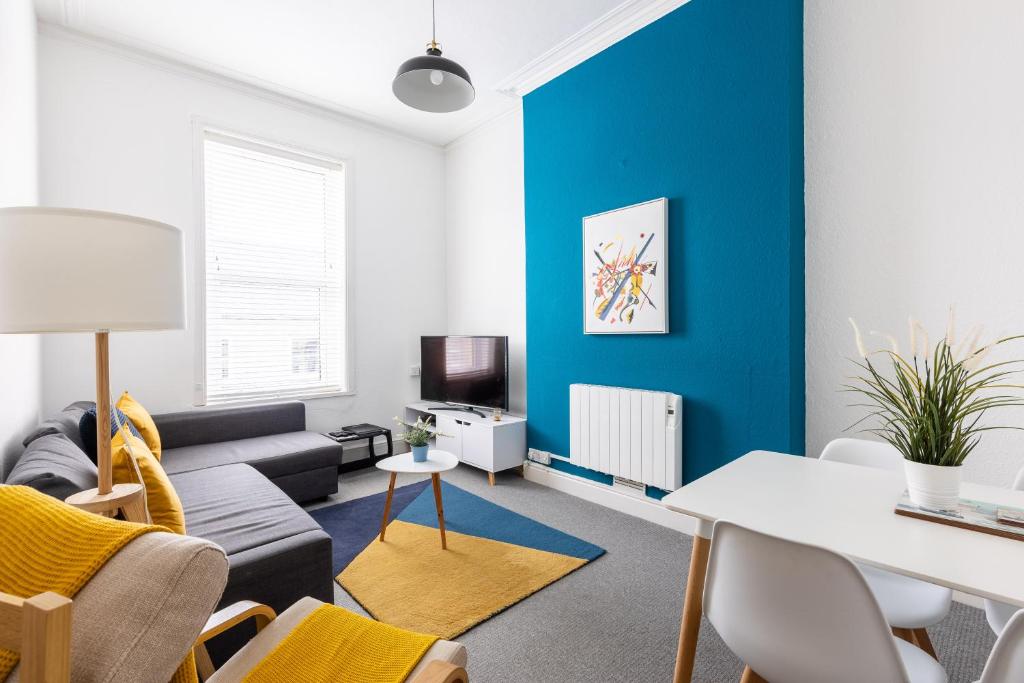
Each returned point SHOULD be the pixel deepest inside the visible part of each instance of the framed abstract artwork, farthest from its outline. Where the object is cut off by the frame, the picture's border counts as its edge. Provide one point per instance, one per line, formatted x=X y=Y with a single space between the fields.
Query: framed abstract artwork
x=625 y=270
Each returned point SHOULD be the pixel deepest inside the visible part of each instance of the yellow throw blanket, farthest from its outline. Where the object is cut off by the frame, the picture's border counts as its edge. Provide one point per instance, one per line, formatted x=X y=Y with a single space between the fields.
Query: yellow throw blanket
x=333 y=644
x=51 y=546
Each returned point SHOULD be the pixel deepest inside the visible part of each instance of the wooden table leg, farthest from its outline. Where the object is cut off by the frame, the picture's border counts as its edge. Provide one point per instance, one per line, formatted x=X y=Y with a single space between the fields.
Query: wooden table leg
x=750 y=676
x=490 y=478
x=387 y=504
x=693 y=607
x=436 y=480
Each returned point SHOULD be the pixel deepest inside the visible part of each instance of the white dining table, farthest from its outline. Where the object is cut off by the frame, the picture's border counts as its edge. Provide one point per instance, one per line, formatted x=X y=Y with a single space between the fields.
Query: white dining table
x=847 y=509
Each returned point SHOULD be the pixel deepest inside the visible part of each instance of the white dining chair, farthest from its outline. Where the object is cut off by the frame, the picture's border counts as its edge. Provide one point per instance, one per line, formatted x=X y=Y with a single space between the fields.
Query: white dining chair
x=1006 y=662
x=998 y=613
x=797 y=613
x=909 y=605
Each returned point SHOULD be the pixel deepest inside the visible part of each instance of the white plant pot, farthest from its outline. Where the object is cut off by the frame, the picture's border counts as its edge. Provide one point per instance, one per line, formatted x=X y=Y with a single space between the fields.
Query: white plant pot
x=933 y=486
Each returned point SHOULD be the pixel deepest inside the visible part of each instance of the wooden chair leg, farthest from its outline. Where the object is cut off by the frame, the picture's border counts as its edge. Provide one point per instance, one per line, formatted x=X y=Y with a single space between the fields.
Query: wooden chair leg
x=750 y=676
x=693 y=607
x=924 y=642
x=905 y=634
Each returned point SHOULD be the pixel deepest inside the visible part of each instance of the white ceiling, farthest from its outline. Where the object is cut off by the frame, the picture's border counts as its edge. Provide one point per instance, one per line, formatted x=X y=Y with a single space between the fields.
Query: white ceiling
x=343 y=54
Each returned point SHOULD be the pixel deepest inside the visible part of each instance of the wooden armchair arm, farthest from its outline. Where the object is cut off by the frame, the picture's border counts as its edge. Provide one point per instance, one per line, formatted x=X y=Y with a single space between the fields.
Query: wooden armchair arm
x=221 y=621
x=233 y=615
x=39 y=629
x=441 y=672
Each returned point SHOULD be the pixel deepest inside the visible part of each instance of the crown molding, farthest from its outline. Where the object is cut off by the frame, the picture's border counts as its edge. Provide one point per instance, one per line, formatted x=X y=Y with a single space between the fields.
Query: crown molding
x=482 y=128
x=159 y=58
x=602 y=33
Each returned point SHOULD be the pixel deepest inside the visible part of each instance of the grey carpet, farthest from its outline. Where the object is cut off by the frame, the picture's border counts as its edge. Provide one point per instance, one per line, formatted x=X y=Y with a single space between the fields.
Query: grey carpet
x=616 y=619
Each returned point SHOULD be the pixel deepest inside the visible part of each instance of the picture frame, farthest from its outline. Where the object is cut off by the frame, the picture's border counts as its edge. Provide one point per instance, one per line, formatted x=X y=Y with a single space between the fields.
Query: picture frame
x=625 y=270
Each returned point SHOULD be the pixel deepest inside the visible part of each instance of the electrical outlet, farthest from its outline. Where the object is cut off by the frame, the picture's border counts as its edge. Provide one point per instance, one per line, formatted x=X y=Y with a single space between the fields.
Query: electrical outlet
x=414 y=371
x=543 y=457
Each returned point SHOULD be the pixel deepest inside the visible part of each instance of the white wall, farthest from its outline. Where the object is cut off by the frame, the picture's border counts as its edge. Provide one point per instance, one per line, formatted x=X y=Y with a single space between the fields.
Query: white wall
x=116 y=134
x=486 y=277
x=19 y=355
x=915 y=187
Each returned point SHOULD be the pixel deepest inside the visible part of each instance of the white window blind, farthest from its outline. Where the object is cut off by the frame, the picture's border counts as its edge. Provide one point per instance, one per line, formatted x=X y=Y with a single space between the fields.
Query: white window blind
x=274 y=296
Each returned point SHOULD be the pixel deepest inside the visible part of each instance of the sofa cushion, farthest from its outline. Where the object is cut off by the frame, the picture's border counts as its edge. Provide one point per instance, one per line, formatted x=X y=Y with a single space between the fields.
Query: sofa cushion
x=238 y=508
x=87 y=426
x=65 y=422
x=162 y=501
x=142 y=420
x=209 y=425
x=53 y=465
x=274 y=455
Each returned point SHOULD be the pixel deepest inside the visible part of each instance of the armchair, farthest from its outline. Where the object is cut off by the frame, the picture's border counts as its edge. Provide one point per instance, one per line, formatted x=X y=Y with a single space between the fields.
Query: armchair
x=444 y=662
x=139 y=616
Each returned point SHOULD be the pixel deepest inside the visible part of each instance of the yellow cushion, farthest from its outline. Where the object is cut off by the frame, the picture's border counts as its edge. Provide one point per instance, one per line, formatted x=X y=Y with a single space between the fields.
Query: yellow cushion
x=161 y=498
x=143 y=422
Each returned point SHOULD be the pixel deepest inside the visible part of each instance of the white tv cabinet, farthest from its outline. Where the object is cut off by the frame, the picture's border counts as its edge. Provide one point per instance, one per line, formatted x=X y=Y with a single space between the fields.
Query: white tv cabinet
x=478 y=441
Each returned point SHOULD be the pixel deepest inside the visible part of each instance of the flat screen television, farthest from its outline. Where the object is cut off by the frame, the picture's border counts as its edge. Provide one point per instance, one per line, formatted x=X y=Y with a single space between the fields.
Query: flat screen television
x=471 y=371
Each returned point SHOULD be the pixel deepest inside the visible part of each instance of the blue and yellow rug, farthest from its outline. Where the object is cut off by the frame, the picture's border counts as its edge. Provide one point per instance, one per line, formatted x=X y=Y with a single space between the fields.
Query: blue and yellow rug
x=495 y=558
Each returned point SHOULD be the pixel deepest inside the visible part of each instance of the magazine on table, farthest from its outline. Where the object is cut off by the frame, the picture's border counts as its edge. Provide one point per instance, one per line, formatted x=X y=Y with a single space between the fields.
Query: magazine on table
x=976 y=515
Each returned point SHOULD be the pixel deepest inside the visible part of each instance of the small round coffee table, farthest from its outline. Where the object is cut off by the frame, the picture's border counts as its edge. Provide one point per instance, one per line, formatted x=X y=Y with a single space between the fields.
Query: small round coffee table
x=436 y=463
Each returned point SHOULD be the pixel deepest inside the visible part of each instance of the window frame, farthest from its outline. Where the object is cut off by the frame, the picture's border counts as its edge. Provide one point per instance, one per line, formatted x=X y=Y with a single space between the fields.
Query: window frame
x=201 y=127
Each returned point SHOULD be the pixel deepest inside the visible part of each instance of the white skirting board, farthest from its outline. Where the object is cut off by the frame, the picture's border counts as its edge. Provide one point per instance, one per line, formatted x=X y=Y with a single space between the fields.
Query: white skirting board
x=644 y=508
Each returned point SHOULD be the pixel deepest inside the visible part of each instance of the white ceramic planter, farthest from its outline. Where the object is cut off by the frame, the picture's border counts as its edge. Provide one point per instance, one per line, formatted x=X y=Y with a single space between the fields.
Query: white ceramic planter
x=933 y=486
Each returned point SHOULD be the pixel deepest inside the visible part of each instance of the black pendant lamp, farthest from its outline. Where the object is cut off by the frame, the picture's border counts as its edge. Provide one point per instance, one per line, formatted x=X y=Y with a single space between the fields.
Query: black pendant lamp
x=431 y=82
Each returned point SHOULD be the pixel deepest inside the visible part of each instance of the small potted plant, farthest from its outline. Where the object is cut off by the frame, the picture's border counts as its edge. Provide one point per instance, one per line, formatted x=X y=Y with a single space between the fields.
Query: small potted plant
x=418 y=437
x=930 y=405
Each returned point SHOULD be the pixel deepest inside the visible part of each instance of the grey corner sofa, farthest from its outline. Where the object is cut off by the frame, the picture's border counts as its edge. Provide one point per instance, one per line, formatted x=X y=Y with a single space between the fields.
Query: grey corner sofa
x=240 y=474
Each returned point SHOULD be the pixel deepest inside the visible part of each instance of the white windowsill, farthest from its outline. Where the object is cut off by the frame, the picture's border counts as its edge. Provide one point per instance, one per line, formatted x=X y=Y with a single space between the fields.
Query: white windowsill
x=255 y=400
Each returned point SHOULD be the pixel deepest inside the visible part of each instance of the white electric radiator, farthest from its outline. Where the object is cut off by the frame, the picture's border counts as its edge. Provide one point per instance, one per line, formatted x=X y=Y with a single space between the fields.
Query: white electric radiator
x=628 y=433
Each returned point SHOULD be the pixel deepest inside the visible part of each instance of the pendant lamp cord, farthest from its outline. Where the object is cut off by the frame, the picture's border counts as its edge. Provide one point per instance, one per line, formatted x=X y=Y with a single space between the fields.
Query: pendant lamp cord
x=433 y=21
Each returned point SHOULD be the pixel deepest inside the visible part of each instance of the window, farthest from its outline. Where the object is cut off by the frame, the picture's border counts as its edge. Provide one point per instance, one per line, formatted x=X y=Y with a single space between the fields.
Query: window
x=275 y=272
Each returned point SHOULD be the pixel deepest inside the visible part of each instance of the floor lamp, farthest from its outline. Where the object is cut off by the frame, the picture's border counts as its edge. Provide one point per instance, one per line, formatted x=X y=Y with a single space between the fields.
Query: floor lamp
x=72 y=270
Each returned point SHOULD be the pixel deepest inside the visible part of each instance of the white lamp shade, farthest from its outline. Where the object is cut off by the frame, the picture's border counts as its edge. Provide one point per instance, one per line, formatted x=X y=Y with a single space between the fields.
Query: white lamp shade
x=71 y=270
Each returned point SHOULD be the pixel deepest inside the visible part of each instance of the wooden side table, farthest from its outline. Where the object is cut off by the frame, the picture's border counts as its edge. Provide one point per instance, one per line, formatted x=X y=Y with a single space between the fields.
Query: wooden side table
x=128 y=499
x=436 y=463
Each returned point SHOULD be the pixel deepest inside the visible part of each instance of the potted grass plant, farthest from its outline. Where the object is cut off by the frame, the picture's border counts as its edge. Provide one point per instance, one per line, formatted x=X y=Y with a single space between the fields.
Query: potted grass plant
x=418 y=437
x=929 y=403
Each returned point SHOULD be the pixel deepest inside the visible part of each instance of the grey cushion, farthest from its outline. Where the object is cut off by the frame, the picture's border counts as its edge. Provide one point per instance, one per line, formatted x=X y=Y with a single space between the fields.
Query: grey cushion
x=274 y=456
x=211 y=425
x=55 y=466
x=237 y=508
x=65 y=422
x=277 y=553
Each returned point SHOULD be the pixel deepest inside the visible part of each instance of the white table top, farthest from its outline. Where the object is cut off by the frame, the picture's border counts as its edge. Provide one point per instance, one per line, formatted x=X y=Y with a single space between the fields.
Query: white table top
x=437 y=461
x=849 y=509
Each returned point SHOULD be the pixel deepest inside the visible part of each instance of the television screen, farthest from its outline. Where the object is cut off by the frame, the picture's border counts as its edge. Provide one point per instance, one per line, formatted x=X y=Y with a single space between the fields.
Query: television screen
x=466 y=370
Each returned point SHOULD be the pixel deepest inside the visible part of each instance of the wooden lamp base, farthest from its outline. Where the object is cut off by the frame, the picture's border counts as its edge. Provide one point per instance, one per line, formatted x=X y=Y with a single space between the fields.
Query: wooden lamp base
x=128 y=499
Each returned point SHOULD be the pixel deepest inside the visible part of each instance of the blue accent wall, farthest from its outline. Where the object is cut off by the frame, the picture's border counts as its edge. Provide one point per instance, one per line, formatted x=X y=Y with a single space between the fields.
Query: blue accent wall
x=705 y=107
